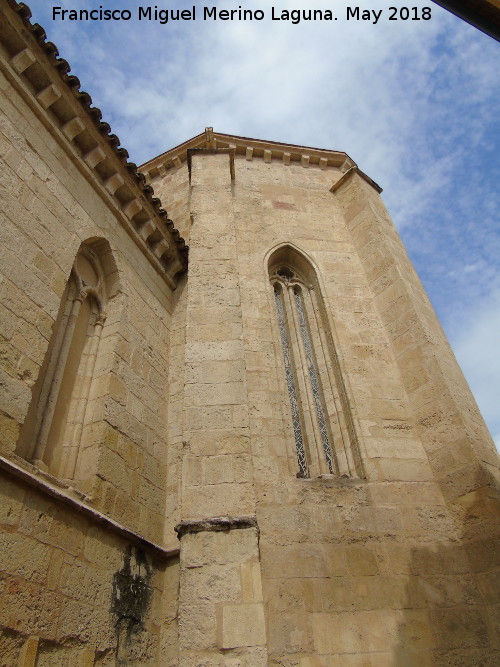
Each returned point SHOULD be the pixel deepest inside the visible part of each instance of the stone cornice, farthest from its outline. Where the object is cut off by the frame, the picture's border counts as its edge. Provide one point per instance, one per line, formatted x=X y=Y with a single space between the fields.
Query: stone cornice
x=32 y=66
x=250 y=149
x=348 y=174
x=215 y=524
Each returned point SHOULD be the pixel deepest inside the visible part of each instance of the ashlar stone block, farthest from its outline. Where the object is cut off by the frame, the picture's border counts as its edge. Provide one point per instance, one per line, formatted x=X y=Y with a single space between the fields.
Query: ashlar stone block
x=241 y=625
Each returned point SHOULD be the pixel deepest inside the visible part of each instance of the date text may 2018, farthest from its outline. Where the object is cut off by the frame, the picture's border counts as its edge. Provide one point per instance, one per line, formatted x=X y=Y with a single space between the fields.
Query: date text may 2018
x=394 y=14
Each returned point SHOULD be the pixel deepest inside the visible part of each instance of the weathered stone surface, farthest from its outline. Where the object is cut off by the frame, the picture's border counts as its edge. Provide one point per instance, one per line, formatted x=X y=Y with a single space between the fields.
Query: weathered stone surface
x=170 y=410
x=242 y=625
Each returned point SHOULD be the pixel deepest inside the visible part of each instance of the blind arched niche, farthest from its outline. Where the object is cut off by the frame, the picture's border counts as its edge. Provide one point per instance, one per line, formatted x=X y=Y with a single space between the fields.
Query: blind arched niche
x=53 y=432
x=321 y=420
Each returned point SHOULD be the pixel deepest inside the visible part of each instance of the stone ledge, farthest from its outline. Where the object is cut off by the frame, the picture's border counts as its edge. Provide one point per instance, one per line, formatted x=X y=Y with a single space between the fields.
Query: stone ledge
x=216 y=524
x=67 y=496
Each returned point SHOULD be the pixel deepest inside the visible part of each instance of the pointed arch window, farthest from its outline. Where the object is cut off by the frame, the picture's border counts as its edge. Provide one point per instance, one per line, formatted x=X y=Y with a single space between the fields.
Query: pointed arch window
x=52 y=433
x=322 y=424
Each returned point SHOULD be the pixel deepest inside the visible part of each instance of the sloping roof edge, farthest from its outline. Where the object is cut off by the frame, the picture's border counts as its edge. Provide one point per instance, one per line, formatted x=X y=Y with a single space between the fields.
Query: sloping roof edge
x=482 y=14
x=250 y=148
x=140 y=206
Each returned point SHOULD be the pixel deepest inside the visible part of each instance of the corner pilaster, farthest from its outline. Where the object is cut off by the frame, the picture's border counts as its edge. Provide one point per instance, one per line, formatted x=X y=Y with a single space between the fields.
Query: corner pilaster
x=457 y=442
x=221 y=612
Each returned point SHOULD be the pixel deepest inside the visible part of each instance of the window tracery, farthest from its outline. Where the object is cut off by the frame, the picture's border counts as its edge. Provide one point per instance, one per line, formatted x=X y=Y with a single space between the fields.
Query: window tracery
x=291 y=384
x=322 y=425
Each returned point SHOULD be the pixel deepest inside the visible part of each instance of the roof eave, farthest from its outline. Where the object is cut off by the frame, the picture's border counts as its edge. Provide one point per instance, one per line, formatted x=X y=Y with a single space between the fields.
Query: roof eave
x=250 y=149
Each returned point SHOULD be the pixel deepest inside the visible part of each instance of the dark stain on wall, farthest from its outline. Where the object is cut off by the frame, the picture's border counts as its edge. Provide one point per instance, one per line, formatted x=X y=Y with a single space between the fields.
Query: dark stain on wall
x=132 y=594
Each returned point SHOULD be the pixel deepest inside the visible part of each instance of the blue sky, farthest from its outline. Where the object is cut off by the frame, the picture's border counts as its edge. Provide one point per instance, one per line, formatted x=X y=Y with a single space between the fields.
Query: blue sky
x=415 y=103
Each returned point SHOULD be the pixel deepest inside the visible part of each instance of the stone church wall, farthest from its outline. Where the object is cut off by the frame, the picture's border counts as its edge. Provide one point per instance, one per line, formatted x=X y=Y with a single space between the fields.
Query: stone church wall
x=269 y=459
x=74 y=592
x=83 y=577
x=377 y=568
x=50 y=210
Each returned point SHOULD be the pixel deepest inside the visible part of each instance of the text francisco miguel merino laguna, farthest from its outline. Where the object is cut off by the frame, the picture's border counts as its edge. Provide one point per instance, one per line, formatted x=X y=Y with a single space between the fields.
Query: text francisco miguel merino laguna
x=163 y=15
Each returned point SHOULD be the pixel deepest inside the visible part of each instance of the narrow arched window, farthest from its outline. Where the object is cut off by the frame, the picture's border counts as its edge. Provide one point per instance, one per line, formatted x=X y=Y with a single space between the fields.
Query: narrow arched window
x=52 y=433
x=322 y=425
x=291 y=382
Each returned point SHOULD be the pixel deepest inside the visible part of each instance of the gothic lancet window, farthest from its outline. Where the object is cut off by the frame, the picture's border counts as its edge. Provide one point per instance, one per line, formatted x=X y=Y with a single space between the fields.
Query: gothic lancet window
x=52 y=433
x=321 y=420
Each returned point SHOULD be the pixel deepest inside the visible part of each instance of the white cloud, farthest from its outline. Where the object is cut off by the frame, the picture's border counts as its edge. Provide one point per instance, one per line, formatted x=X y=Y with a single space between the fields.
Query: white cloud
x=477 y=350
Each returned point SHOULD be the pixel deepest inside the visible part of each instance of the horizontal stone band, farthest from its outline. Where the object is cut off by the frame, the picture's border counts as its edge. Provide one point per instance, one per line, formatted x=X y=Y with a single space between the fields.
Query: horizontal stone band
x=215 y=524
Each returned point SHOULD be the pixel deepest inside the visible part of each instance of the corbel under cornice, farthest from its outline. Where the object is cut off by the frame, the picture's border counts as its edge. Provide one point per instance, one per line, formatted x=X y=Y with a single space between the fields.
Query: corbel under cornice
x=249 y=149
x=32 y=66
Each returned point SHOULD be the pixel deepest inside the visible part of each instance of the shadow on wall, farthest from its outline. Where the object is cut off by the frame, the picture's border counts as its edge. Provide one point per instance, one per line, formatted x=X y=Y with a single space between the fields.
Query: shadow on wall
x=453 y=593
